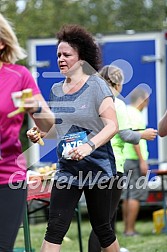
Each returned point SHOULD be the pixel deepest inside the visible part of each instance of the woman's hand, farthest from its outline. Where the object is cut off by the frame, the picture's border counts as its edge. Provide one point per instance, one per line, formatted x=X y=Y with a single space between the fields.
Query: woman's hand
x=78 y=153
x=35 y=135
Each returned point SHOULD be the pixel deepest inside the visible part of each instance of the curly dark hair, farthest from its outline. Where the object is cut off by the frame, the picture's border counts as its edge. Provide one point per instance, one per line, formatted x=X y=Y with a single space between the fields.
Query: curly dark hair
x=82 y=41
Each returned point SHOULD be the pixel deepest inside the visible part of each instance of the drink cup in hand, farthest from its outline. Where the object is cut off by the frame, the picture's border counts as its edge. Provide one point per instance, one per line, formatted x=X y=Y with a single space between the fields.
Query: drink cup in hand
x=17 y=98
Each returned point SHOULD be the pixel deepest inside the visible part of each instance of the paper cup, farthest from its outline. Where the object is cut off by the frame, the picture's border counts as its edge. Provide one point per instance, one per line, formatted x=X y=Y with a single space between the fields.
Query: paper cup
x=16 y=97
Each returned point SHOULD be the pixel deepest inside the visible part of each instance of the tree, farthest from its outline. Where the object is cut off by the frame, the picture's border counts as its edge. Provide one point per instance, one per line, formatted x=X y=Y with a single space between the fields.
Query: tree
x=141 y=15
x=43 y=18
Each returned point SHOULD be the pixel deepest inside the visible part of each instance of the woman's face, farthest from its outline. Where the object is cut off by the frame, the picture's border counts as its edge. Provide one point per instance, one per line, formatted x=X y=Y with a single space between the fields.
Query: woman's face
x=68 y=58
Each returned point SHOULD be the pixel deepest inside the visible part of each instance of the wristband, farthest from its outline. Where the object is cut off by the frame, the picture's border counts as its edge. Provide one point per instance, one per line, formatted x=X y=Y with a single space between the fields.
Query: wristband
x=92 y=145
x=39 y=108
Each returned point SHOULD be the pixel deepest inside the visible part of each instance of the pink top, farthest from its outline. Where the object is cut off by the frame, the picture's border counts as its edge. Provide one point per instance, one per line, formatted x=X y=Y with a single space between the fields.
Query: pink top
x=13 y=78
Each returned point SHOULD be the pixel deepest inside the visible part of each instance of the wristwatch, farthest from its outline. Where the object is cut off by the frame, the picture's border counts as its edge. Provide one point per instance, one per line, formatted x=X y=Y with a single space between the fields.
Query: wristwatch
x=91 y=144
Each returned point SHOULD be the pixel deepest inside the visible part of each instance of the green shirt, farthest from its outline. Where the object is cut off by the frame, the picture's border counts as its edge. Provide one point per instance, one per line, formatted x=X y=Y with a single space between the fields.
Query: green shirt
x=116 y=142
x=137 y=123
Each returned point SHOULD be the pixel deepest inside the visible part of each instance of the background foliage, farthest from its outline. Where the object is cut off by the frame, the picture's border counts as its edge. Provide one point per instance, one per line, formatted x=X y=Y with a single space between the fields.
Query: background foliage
x=43 y=18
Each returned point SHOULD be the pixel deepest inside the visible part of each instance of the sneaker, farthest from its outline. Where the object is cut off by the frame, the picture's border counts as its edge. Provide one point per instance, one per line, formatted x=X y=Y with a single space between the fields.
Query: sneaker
x=132 y=234
x=124 y=250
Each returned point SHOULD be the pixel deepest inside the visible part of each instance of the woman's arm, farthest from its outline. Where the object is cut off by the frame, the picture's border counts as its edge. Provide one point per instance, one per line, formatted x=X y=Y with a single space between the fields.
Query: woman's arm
x=39 y=111
x=108 y=115
x=162 y=127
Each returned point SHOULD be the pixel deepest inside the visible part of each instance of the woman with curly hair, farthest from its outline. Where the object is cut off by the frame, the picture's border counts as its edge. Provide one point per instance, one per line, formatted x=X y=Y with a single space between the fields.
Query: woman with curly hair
x=85 y=123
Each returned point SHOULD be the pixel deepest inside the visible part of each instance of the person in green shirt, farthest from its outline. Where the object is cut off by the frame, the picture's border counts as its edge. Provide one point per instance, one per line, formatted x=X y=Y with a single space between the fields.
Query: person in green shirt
x=115 y=78
x=136 y=163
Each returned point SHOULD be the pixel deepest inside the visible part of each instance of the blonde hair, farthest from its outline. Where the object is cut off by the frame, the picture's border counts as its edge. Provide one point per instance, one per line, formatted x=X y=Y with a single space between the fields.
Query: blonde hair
x=112 y=74
x=12 y=50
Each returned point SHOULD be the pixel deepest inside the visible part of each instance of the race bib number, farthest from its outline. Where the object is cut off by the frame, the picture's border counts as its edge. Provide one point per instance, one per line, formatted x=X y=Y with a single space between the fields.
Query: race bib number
x=71 y=141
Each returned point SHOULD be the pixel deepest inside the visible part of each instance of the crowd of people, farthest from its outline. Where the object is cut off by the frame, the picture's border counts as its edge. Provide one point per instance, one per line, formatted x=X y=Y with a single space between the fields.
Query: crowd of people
x=97 y=143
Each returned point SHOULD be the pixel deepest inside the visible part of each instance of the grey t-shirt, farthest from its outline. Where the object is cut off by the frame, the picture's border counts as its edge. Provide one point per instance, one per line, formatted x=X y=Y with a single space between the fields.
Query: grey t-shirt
x=79 y=113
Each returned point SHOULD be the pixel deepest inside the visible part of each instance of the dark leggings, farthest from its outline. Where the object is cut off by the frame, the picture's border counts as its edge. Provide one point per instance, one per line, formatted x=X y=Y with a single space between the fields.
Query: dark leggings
x=93 y=243
x=12 y=205
x=63 y=203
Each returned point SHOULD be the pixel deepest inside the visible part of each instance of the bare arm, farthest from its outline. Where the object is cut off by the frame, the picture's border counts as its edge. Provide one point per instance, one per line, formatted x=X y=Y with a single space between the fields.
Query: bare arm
x=109 y=118
x=44 y=118
x=162 y=127
x=143 y=163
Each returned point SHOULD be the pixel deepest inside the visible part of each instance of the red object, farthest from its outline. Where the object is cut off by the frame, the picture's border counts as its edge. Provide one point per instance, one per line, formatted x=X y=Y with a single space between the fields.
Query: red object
x=39 y=189
x=157 y=196
x=154 y=197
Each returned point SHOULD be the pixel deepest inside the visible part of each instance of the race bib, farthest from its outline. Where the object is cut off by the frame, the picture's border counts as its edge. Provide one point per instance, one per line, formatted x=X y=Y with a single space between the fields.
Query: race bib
x=71 y=141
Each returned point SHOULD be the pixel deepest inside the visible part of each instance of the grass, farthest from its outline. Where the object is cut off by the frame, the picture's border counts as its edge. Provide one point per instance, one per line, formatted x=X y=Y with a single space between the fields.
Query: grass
x=147 y=241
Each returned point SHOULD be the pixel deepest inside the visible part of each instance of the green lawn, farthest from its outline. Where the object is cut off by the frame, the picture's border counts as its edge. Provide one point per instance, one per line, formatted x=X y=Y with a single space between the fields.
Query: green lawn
x=146 y=242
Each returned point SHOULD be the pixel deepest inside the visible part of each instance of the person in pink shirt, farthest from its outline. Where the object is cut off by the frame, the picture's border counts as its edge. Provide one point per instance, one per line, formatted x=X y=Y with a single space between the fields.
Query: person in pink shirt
x=14 y=78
